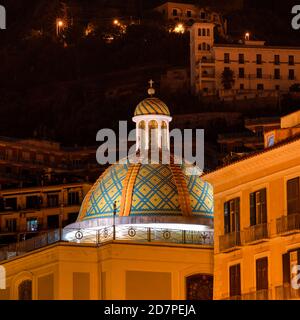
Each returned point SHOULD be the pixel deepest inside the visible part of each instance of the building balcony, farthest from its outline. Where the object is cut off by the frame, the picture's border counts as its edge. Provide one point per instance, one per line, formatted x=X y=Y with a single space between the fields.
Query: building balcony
x=289 y=224
x=230 y=242
x=265 y=294
x=286 y=292
x=256 y=234
x=206 y=61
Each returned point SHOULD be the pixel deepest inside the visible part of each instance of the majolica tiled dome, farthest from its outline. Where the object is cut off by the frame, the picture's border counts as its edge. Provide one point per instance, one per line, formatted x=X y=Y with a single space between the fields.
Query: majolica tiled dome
x=148 y=190
x=151 y=106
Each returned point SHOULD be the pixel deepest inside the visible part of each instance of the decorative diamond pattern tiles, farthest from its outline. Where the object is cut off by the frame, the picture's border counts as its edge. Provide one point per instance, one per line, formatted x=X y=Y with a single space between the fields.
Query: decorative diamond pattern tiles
x=201 y=195
x=155 y=191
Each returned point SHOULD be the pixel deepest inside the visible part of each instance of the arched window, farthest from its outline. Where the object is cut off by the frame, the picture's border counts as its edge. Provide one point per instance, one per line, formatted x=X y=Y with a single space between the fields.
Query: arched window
x=153 y=134
x=25 y=290
x=199 y=287
x=199 y=46
x=208 y=32
x=142 y=134
x=204 y=46
x=203 y=32
x=164 y=135
x=207 y=46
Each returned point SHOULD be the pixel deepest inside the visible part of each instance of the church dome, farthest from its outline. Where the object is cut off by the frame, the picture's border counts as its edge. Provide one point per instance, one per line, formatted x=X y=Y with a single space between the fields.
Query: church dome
x=151 y=106
x=161 y=190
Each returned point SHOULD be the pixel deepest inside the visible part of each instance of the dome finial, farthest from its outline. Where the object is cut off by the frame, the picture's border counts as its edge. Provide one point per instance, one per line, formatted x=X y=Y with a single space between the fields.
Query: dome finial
x=151 y=90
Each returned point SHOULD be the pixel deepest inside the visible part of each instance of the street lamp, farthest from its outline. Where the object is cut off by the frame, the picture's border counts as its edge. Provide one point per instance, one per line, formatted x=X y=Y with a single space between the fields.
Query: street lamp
x=59 y=26
x=116 y=22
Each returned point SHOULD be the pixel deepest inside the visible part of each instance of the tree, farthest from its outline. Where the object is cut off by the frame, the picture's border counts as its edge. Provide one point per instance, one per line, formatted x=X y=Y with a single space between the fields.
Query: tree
x=227 y=79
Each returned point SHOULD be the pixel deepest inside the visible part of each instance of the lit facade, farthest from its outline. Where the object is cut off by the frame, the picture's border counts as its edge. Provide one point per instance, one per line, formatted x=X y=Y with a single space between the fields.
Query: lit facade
x=259 y=70
x=257 y=221
x=144 y=231
x=32 y=162
x=27 y=212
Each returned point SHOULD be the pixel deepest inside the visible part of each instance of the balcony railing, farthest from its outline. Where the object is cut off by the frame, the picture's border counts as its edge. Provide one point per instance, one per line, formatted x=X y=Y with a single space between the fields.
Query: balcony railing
x=286 y=292
x=288 y=224
x=257 y=233
x=230 y=241
x=265 y=294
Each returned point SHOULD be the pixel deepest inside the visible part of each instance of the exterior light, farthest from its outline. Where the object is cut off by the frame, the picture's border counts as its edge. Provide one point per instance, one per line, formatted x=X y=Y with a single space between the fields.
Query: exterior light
x=116 y=22
x=179 y=28
x=247 y=36
x=59 y=26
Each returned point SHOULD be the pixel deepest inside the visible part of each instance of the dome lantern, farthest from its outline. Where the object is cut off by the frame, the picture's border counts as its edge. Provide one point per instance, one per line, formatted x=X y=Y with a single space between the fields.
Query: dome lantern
x=152 y=118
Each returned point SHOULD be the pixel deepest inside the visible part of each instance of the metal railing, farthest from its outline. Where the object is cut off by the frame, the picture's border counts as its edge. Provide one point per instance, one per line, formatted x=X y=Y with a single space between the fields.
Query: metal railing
x=23 y=247
x=109 y=234
x=289 y=223
x=265 y=294
x=256 y=233
x=286 y=292
x=230 y=241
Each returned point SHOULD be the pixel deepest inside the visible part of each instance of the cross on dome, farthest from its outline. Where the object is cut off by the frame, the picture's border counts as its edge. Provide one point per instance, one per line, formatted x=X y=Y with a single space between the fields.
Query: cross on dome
x=151 y=90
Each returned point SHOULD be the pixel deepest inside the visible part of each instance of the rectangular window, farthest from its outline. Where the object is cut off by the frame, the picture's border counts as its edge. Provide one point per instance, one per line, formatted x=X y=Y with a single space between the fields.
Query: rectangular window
x=293 y=196
x=11 y=225
x=10 y=204
x=259 y=73
x=258 y=207
x=276 y=73
x=226 y=58
x=53 y=221
x=53 y=200
x=232 y=215
x=262 y=274
x=258 y=59
x=276 y=59
x=241 y=73
x=73 y=198
x=32 y=224
x=175 y=13
x=189 y=13
x=235 y=280
x=241 y=58
x=291 y=74
x=260 y=86
x=202 y=15
x=242 y=87
x=291 y=60
x=33 y=202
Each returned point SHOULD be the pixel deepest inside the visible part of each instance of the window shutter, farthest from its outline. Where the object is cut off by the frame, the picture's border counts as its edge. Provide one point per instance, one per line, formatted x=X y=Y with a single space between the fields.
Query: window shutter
x=262 y=273
x=263 y=199
x=293 y=196
x=235 y=280
x=237 y=214
x=252 y=209
x=226 y=218
x=286 y=267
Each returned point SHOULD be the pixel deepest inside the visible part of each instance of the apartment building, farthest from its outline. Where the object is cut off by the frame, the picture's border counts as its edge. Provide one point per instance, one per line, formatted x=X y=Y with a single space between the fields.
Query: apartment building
x=257 y=219
x=26 y=212
x=257 y=69
x=189 y=13
x=30 y=162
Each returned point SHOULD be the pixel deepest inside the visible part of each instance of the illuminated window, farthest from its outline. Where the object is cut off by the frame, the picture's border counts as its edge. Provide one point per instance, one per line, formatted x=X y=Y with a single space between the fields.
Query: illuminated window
x=32 y=224
x=25 y=290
